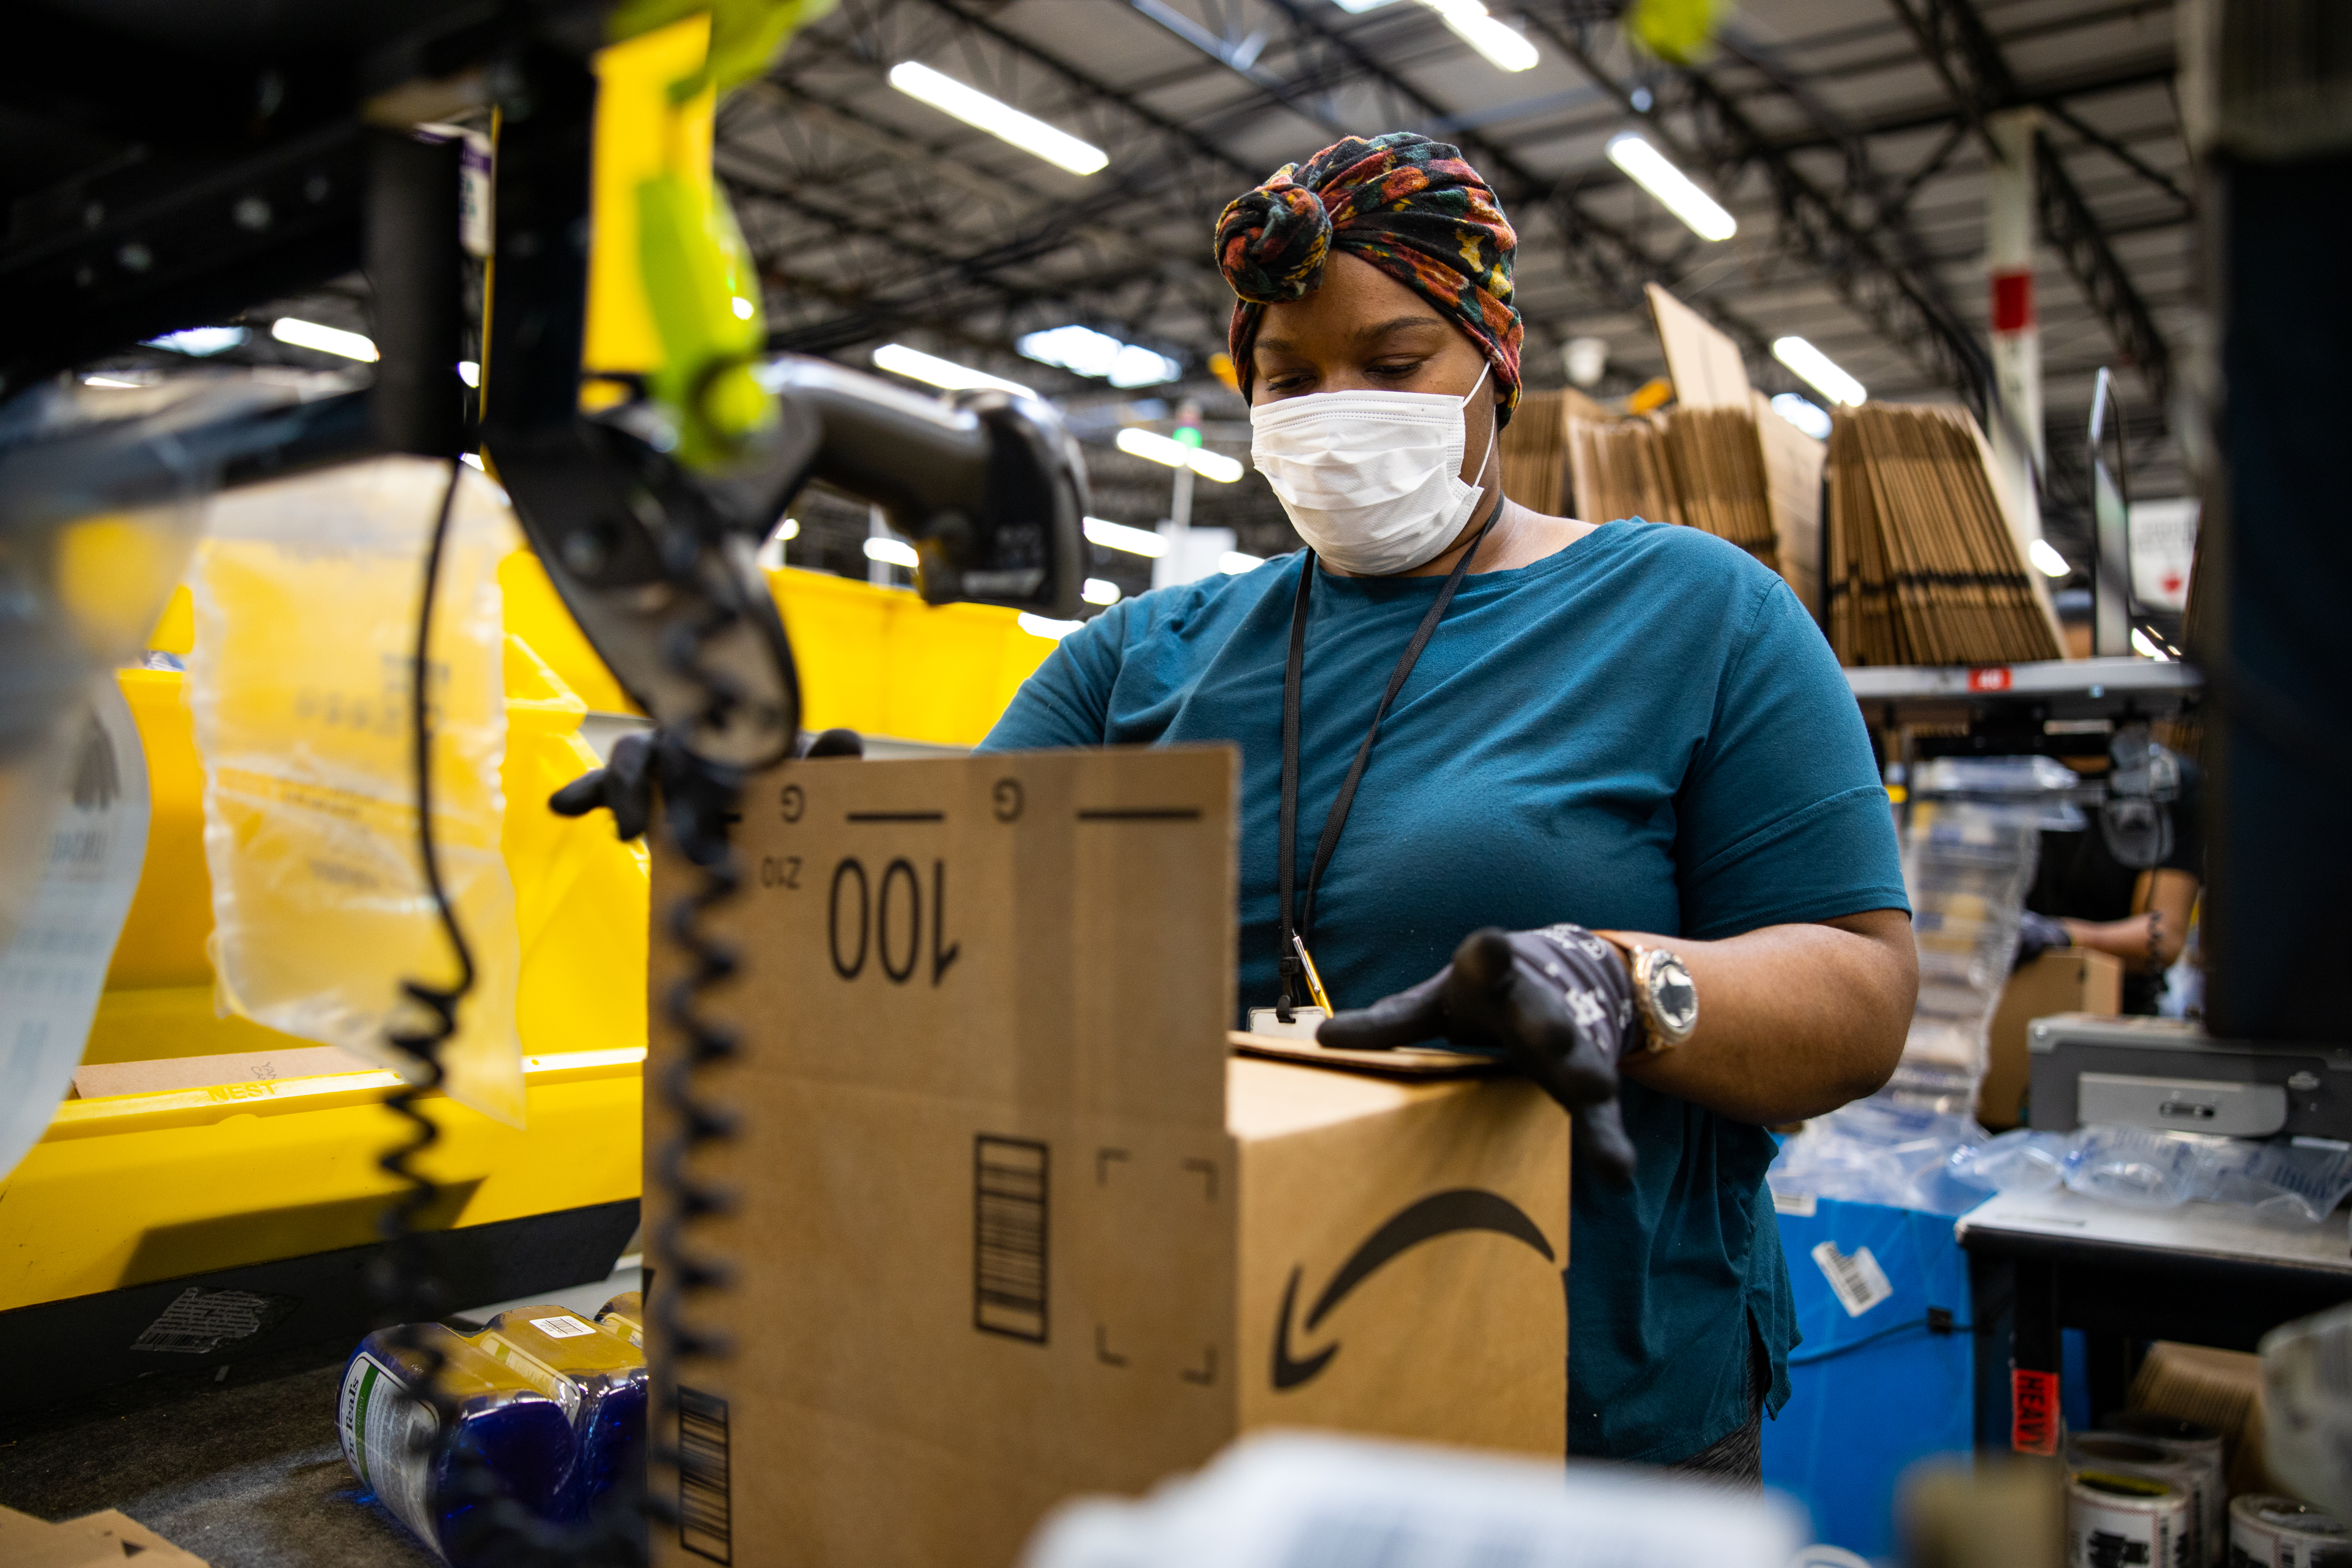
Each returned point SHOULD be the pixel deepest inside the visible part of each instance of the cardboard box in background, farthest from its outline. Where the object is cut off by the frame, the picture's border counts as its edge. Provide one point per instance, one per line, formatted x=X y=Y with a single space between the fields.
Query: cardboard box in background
x=93 y=1541
x=2061 y=980
x=1012 y=1227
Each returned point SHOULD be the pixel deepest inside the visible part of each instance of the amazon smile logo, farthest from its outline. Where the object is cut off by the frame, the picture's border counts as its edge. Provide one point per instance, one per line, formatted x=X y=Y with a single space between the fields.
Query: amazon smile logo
x=1440 y=1213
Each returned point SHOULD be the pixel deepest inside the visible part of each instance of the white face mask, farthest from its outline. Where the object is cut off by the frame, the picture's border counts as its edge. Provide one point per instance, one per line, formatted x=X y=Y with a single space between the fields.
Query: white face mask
x=1372 y=480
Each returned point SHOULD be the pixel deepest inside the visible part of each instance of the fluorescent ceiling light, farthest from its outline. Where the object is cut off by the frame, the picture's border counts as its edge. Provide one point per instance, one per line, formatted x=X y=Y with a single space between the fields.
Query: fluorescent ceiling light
x=201 y=341
x=891 y=551
x=109 y=381
x=469 y=372
x=2047 y=558
x=2148 y=650
x=1234 y=562
x=1138 y=366
x=1654 y=172
x=1505 y=47
x=1090 y=352
x=1360 y=6
x=788 y=529
x=976 y=109
x=1819 y=369
x=305 y=334
x=1099 y=591
x=1074 y=348
x=1804 y=413
x=1052 y=631
x=473 y=461
x=740 y=306
x=916 y=365
x=1119 y=536
x=1139 y=443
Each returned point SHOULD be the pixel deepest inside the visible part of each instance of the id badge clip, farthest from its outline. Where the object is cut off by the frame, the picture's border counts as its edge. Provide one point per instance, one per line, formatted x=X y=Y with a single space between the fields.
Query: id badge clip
x=1304 y=1021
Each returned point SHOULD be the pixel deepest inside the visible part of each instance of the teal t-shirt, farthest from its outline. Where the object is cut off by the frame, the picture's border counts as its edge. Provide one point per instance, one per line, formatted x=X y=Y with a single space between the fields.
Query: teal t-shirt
x=1643 y=731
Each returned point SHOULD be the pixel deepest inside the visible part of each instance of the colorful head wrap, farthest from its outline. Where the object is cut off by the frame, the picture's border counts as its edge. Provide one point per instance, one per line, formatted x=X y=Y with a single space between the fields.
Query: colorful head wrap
x=1410 y=207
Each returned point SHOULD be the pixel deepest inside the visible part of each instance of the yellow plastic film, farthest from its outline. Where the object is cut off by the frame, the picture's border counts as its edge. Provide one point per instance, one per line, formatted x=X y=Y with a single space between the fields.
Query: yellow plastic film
x=306 y=599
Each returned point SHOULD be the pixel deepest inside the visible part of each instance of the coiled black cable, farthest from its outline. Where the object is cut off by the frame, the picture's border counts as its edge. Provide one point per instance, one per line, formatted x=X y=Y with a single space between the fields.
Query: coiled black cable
x=491 y=1526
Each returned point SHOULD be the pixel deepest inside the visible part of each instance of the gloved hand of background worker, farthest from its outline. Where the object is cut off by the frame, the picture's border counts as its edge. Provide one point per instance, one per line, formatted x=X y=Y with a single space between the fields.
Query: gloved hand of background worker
x=2037 y=934
x=625 y=784
x=1557 y=1003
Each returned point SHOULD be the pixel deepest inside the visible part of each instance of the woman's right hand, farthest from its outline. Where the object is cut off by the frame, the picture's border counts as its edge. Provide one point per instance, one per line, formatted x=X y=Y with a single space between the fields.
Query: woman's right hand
x=1557 y=1003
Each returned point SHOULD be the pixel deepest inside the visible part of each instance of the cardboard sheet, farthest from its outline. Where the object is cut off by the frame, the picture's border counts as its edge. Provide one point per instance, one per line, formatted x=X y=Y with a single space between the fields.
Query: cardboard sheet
x=93 y=1541
x=1704 y=363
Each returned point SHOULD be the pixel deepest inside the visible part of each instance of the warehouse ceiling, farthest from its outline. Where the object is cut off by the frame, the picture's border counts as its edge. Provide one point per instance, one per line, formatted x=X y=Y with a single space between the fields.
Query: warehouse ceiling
x=1847 y=137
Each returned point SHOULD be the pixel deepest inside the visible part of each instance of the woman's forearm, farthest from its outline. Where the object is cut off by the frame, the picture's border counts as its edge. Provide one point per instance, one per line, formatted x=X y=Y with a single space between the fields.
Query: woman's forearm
x=1793 y=1020
x=2126 y=939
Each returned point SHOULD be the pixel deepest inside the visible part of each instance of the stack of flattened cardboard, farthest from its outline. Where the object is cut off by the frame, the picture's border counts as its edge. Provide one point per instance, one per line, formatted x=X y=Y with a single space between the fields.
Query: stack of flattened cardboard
x=1534 y=460
x=1792 y=474
x=1717 y=466
x=1924 y=566
x=1715 y=461
x=1534 y=447
x=1008 y=1224
x=1704 y=467
x=1618 y=469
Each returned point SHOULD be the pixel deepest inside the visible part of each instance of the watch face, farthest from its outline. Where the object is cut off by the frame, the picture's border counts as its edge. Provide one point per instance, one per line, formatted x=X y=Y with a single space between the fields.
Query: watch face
x=1674 y=999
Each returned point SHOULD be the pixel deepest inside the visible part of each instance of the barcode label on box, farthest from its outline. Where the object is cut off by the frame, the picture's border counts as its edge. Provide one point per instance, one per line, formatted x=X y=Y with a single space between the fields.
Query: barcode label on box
x=1008 y=1243
x=705 y=1511
x=1860 y=1283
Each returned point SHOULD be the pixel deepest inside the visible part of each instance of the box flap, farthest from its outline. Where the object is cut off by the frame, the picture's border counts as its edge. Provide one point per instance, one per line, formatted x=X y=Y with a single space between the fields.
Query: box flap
x=979 y=915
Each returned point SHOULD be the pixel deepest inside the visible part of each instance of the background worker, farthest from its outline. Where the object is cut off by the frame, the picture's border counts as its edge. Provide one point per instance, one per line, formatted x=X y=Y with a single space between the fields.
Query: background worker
x=1506 y=732
x=2126 y=888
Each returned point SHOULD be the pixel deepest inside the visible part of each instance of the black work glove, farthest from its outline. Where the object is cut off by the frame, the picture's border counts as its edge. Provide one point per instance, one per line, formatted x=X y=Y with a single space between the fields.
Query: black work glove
x=625 y=784
x=2037 y=934
x=1557 y=1003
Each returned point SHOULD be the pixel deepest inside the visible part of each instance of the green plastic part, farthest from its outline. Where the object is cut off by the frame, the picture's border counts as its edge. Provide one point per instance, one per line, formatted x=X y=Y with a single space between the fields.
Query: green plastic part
x=704 y=293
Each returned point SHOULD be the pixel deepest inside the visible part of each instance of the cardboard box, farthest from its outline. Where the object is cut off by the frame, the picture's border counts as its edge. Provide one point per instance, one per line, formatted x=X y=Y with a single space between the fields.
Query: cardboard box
x=93 y=1541
x=2061 y=980
x=1010 y=1224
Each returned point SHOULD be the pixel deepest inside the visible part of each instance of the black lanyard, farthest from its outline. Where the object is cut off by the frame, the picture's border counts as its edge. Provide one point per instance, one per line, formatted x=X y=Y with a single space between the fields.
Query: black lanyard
x=1347 y=796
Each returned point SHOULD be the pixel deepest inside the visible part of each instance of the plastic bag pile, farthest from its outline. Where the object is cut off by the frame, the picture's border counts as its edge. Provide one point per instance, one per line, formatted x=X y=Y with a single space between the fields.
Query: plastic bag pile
x=1882 y=1150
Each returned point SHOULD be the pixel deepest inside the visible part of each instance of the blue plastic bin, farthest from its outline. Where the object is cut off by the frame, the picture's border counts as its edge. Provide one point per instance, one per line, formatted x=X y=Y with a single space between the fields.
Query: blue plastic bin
x=1876 y=1391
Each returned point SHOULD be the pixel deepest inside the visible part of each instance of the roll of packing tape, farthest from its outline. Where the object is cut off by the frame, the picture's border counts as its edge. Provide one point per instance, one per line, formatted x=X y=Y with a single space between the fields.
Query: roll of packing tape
x=2119 y=1517
x=2281 y=1532
x=2201 y=1444
x=2115 y=1453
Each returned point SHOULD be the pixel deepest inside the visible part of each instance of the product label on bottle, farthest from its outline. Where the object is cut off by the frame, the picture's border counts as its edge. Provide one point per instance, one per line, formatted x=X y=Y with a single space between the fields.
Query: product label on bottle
x=388 y=1440
x=562 y=1328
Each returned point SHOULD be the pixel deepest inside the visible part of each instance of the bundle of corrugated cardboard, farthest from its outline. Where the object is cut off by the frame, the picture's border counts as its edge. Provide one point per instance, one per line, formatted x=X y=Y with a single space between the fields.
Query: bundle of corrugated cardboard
x=1923 y=567
x=1719 y=460
x=1533 y=449
x=86 y=1542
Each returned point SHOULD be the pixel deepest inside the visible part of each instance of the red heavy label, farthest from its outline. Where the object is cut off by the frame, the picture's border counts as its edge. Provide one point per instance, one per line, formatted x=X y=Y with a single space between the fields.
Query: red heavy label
x=2034 y=1411
x=1992 y=677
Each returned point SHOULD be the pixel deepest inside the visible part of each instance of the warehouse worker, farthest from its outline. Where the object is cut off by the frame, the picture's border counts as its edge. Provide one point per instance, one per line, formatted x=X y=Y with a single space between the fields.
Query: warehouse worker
x=2125 y=884
x=1597 y=797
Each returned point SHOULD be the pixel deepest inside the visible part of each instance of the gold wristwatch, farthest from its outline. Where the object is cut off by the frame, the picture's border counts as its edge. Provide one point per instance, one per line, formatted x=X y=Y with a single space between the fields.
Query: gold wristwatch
x=1663 y=995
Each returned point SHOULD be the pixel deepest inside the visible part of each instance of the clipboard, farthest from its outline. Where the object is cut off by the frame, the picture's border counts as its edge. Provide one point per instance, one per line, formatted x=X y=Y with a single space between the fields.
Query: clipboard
x=1405 y=1062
